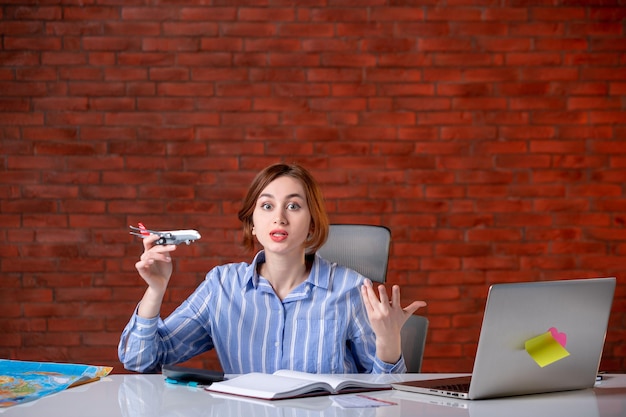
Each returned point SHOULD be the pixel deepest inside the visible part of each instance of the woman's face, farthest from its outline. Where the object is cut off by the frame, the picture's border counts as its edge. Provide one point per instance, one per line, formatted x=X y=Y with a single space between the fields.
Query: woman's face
x=281 y=217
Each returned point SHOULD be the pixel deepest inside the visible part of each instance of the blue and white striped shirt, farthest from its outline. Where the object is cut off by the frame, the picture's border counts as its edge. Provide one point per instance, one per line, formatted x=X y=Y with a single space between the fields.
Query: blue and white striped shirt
x=320 y=327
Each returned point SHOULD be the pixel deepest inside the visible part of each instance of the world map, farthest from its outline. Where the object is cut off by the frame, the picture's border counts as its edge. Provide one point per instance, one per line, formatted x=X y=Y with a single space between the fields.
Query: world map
x=24 y=381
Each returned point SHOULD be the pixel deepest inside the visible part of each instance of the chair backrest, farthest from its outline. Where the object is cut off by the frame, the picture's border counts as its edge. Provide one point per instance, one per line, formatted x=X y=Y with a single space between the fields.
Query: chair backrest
x=365 y=248
x=413 y=336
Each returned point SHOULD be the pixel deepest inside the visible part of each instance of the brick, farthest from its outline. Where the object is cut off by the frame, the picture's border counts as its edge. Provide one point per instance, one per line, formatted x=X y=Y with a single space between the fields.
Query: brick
x=395 y=14
x=522 y=219
x=368 y=29
x=339 y=60
x=79 y=324
x=495 y=44
x=479 y=103
x=174 y=134
x=33 y=44
x=549 y=74
x=534 y=59
x=494 y=235
x=491 y=74
x=54 y=251
x=556 y=264
x=480 y=29
x=10 y=340
x=605 y=59
x=274 y=14
x=221 y=133
x=38 y=74
x=461 y=163
x=96 y=89
x=27 y=295
x=423 y=104
x=255 y=29
x=496 y=147
x=616 y=176
x=50 y=339
x=603 y=74
x=400 y=118
x=563 y=117
x=617 y=88
x=308 y=30
x=607 y=13
x=592 y=29
x=7 y=220
x=290 y=148
x=108 y=43
x=596 y=220
x=555 y=146
x=434 y=207
x=39 y=309
x=519 y=250
x=96 y=162
x=215 y=13
x=618 y=162
x=561 y=44
x=467 y=59
x=492 y=263
x=444 y=44
x=444 y=192
x=407 y=90
x=153 y=59
x=23 y=325
x=100 y=339
x=440 y=263
x=506 y=14
x=607 y=117
x=442 y=75
x=268 y=133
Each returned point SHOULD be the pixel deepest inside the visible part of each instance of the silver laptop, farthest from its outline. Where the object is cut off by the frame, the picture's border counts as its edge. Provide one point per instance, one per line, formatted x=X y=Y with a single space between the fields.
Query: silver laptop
x=516 y=313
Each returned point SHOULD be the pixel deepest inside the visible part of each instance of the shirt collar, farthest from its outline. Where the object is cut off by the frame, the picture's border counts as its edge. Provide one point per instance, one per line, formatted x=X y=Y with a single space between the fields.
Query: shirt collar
x=251 y=278
x=319 y=275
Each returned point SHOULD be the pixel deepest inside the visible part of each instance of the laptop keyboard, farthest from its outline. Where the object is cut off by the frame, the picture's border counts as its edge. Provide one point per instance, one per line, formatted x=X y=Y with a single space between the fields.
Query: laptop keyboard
x=453 y=387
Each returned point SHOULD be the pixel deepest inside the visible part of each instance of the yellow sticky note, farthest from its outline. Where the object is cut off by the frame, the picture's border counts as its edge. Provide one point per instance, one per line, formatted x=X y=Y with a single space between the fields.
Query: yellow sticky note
x=545 y=349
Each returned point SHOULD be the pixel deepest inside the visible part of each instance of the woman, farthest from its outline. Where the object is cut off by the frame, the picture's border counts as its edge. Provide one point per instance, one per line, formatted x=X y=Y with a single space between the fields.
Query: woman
x=288 y=309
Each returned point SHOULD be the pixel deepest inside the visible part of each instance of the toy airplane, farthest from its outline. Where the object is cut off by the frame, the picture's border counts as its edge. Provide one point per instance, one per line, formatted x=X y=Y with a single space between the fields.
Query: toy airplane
x=167 y=237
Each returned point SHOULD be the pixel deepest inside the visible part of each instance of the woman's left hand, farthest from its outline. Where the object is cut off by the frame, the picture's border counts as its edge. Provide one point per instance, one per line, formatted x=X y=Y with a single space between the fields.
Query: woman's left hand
x=387 y=318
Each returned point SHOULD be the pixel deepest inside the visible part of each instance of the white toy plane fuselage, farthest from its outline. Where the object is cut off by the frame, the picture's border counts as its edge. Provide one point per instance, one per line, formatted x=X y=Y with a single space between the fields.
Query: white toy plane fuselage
x=167 y=237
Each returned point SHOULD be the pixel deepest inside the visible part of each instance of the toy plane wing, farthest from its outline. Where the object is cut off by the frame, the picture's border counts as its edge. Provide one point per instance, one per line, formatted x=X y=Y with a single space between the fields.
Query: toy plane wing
x=166 y=237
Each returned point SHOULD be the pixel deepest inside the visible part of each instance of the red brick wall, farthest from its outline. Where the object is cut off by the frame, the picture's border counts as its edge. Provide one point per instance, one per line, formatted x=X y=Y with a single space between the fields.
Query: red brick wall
x=490 y=136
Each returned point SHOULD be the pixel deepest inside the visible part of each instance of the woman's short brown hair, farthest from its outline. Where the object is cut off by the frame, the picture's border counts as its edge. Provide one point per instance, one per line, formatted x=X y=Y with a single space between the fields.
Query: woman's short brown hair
x=314 y=198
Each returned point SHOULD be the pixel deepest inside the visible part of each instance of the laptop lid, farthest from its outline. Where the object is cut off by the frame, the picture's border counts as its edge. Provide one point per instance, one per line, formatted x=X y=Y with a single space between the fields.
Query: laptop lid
x=564 y=323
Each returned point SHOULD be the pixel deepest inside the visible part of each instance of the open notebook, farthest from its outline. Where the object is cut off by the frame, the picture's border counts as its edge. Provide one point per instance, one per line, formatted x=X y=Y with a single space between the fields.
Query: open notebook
x=285 y=384
x=536 y=337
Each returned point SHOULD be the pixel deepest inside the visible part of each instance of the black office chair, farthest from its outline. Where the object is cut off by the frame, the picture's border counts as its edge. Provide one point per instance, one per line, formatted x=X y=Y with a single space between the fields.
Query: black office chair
x=365 y=248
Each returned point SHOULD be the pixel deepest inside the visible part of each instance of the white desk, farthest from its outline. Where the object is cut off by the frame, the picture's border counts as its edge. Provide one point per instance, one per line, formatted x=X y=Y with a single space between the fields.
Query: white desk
x=150 y=396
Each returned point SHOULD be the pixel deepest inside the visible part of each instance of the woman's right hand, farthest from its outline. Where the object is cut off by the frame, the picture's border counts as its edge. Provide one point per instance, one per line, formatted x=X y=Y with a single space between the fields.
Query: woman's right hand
x=155 y=267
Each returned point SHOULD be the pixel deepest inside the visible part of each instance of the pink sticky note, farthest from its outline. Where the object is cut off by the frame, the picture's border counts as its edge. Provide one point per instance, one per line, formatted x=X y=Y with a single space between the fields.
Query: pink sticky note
x=558 y=336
